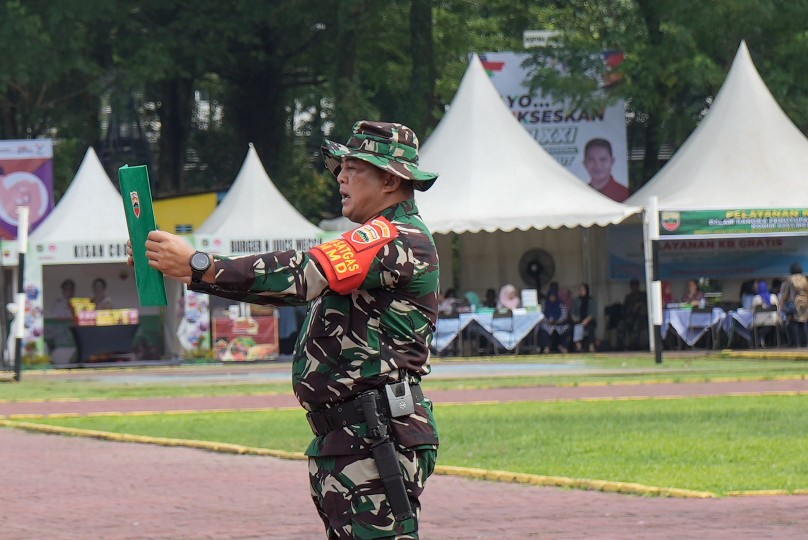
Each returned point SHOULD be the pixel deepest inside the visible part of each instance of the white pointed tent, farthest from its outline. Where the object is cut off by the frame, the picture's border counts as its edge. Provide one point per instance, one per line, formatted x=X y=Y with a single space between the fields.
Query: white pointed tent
x=254 y=217
x=745 y=153
x=90 y=210
x=83 y=238
x=495 y=177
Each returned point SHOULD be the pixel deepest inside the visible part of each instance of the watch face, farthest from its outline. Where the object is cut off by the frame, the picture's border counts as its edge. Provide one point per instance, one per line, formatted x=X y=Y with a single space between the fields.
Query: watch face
x=200 y=261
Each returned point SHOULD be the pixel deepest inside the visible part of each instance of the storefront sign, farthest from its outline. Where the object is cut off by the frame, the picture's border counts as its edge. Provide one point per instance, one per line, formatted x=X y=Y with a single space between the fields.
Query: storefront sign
x=241 y=246
x=81 y=251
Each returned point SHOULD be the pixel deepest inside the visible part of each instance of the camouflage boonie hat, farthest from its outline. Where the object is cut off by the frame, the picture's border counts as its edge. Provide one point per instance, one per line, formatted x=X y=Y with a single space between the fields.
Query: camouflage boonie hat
x=391 y=147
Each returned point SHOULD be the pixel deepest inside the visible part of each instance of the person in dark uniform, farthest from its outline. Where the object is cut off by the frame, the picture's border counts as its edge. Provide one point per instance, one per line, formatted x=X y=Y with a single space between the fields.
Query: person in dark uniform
x=363 y=348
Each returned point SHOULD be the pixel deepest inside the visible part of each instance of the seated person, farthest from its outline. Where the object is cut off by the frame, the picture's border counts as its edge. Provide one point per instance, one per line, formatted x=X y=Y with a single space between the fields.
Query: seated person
x=584 y=309
x=447 y=302
x=693 y=295
x=61 y=308
x=473 y=300
x=509 y=297
x=632 y=330
x=667 y=293
x=100 y=298
x=555 y=327
x=764 y=297
x=490 y=298
x=747 y=293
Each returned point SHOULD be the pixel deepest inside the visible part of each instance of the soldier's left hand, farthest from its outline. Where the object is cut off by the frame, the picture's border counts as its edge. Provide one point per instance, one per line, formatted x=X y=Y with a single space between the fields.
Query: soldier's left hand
x=170 y=254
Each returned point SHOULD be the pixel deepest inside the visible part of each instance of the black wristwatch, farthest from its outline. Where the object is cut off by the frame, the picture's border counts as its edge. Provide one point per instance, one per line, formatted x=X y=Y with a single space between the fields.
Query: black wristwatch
x=200 y=262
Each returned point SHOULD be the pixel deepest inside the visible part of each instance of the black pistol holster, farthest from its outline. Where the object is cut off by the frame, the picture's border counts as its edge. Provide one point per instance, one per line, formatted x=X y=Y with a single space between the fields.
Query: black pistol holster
x=385 y=456
x=376 y=408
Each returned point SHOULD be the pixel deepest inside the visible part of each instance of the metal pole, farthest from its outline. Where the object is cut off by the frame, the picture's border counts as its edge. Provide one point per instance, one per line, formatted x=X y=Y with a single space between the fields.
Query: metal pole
x=22 y=244
x=653 y=284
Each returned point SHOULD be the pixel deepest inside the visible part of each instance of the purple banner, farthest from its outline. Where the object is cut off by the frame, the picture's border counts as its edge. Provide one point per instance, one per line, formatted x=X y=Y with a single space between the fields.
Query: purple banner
x=26 y=179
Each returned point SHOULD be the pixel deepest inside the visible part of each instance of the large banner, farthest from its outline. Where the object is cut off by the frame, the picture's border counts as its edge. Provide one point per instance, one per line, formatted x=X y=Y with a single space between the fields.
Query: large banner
x=735 y=222
x=26 y=179
x=592 y=145
x=686 y=258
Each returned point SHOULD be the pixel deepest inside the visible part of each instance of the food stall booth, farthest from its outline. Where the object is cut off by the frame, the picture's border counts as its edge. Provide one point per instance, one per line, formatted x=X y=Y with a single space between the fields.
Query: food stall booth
x=83 y=241
x=253 y=217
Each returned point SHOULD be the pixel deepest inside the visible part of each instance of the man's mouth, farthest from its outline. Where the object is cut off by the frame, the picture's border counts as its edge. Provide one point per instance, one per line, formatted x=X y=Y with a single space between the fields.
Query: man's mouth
x=345 y=196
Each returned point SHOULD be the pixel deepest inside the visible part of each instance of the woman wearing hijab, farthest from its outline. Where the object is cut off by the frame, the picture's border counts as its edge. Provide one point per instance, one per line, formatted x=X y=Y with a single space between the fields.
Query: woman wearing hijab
x=555 y=328
x=508 y=297
x=584 y=310
x=764 y=297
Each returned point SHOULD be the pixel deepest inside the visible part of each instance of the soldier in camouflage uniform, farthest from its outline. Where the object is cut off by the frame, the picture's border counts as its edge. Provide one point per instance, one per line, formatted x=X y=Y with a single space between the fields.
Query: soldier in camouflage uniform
x=372 y=299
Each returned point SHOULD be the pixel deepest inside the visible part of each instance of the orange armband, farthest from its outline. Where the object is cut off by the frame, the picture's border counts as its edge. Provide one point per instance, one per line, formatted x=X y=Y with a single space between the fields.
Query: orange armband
x=346 y=261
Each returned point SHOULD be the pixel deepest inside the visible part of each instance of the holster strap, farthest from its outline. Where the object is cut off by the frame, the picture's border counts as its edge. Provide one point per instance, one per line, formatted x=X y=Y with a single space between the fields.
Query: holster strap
x=349 y=412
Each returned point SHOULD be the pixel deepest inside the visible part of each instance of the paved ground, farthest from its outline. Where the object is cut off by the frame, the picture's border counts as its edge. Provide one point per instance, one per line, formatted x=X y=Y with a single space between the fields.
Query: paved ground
x=66 y=488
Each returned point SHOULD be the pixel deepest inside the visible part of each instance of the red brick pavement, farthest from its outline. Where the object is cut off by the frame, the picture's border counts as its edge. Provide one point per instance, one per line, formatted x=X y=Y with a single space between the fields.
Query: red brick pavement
x=66 y=488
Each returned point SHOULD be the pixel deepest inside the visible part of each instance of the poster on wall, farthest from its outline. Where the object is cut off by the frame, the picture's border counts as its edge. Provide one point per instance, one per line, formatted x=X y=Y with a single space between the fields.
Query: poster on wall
x=26 y=179
x=193 y=333
x=590 y=144
x=239 y=338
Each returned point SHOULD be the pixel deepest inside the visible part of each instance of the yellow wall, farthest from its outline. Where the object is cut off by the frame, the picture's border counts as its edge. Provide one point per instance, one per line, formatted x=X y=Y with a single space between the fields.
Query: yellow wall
x=192 y=210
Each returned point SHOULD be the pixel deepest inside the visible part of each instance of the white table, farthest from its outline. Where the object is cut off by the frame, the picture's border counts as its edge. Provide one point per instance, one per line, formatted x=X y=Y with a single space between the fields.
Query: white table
x=506 y=332
x=679 y=319
x=739 y=321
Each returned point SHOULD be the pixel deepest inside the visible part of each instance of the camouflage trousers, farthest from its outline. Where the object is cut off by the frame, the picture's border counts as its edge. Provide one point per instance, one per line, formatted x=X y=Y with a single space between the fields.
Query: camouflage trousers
x=350 y=499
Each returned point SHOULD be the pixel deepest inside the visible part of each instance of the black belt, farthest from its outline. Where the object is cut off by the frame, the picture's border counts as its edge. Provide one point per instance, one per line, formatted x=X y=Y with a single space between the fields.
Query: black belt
x=349 y=412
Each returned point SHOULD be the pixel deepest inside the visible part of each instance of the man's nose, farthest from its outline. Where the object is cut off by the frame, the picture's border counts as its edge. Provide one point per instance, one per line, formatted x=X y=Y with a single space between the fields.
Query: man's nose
x=342 y=177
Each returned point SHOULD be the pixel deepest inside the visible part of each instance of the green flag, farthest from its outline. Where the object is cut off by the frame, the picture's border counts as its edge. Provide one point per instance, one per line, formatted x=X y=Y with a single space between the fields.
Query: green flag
x=137 y=203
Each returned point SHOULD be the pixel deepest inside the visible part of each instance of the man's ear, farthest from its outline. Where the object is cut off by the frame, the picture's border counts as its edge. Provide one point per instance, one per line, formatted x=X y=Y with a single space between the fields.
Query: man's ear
x=391 y=182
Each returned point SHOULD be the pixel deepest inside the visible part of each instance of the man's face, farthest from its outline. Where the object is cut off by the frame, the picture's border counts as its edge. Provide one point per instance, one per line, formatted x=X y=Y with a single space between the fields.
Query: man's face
x=360 y=185
x=598 y=163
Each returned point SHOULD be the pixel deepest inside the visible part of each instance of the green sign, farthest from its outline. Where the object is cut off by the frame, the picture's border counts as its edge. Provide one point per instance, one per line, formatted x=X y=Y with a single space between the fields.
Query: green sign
x=737 y=222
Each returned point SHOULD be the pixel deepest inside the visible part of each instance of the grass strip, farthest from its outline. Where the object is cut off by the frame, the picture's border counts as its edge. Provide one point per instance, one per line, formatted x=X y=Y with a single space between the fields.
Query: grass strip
x=711 y=445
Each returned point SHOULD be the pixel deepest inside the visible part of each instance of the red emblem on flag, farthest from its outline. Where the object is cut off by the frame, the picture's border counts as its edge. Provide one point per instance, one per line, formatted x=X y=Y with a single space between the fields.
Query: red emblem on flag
x=135 y=203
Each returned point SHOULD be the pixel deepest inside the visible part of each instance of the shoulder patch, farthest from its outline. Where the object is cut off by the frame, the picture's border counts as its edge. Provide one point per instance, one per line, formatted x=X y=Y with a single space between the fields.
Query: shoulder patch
x=346 y=260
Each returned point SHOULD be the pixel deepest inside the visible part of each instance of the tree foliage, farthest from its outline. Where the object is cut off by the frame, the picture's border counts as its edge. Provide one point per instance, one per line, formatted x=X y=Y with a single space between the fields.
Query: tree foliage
x=204 y=78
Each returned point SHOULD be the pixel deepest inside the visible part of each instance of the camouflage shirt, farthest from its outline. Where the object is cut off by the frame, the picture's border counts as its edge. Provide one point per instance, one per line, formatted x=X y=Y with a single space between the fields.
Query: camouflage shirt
x=359 y=340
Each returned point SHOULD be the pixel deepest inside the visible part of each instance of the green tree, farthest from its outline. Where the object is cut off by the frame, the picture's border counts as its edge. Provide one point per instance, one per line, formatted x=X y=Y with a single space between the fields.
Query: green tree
x=676 y=57
x=54 y=73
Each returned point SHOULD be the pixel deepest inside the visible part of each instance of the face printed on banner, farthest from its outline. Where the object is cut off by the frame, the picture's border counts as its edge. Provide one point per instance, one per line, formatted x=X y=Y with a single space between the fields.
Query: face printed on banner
x=598 y=162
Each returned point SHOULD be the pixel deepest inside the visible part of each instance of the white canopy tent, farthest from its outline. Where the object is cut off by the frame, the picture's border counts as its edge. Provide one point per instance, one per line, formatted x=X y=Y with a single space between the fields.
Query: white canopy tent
x=83 y=238
x=254 y=217
x=495 y=178
x=745 y=153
